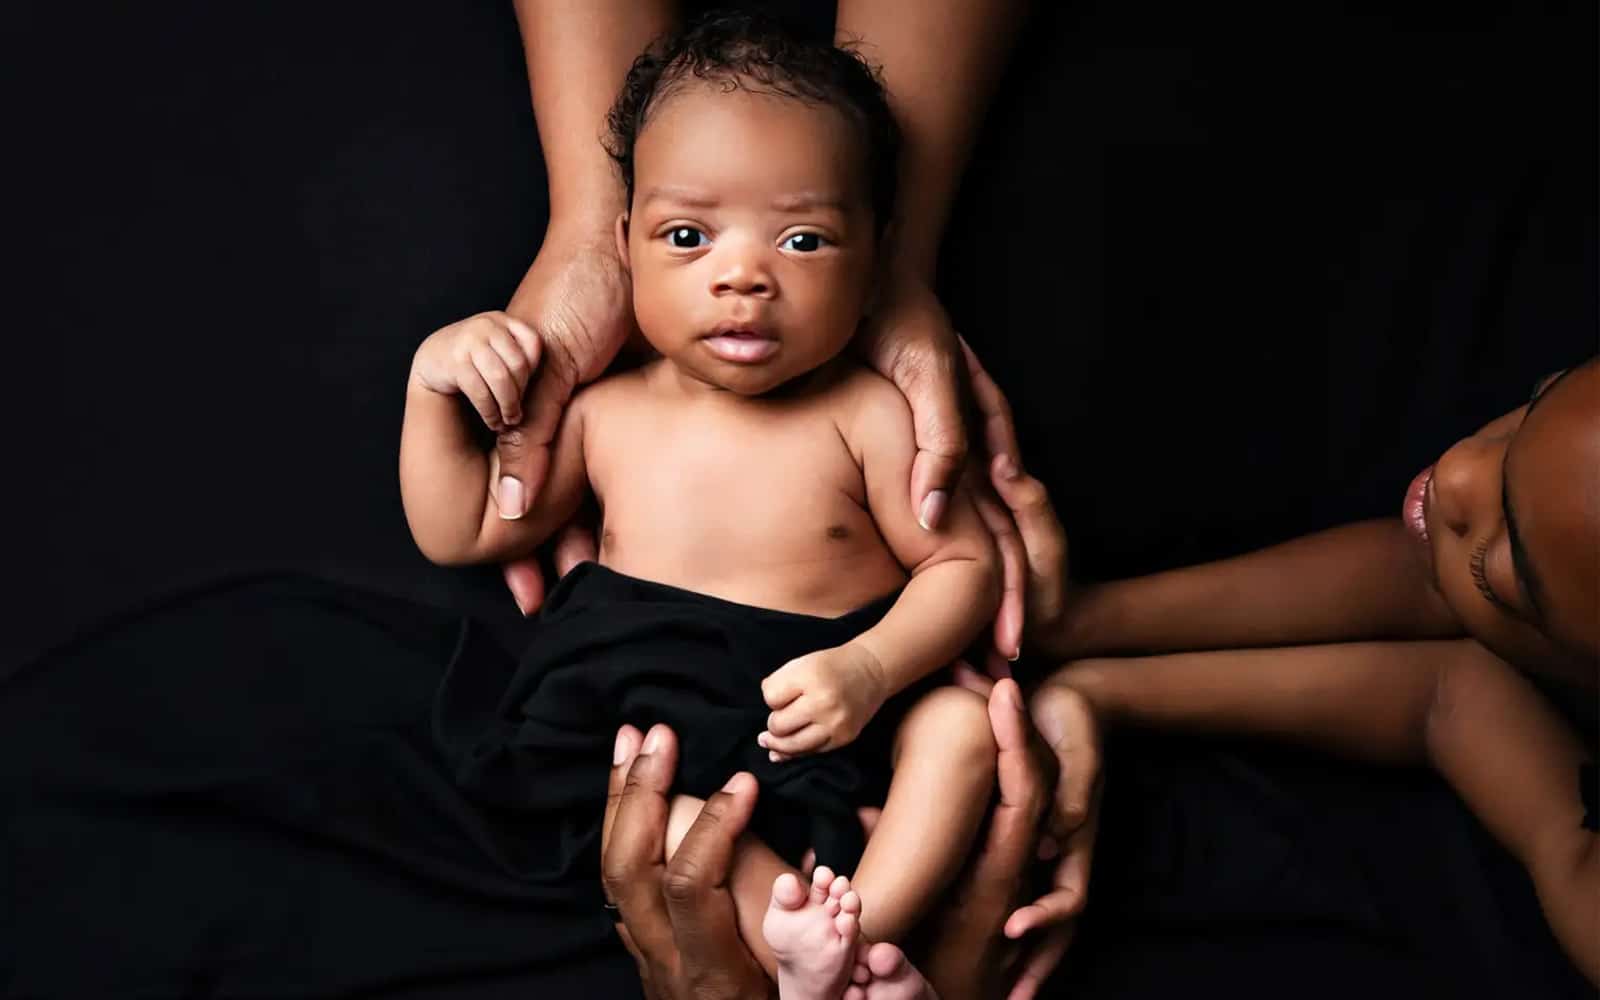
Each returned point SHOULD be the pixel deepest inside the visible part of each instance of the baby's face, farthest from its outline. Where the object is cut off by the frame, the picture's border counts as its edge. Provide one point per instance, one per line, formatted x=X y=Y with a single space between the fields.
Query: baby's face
x=1510 y=518
x=751 y=240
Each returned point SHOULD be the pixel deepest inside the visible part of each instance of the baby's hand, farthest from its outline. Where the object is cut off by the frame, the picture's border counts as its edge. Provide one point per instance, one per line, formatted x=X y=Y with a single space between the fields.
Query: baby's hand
x=488 y=358
x=821 y=701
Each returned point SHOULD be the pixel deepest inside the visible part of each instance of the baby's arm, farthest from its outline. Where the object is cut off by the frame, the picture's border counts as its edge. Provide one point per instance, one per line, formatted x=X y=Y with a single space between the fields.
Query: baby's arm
x=1452 y=704
x=821 y=701
x=1368 y=580
x=446 y=478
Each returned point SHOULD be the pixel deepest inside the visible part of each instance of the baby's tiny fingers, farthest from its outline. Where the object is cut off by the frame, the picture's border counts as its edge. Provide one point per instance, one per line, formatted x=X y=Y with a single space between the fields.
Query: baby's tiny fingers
x=477 y=392
x=507 y=395
x=788 y=720
x=517 y=363
x=811 y=737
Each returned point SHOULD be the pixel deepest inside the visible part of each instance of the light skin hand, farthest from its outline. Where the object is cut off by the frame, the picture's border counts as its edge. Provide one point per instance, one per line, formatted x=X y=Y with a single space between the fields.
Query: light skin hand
x=821 y=701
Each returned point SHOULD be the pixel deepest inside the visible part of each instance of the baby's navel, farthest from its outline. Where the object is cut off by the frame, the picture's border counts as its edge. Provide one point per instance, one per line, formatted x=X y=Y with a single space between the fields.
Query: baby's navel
x=838 y=532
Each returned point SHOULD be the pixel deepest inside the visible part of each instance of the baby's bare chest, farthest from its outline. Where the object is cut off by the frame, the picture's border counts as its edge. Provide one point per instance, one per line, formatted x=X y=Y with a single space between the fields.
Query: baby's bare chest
x=763 y=511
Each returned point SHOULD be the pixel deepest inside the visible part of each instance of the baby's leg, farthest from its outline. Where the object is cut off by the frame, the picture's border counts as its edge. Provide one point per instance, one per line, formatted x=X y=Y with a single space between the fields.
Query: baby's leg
x=752 y=875
x=944 y=764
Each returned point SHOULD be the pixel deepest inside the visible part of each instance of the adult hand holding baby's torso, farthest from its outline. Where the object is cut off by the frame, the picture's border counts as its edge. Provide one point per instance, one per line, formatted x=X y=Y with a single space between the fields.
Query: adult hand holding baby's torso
x=756 y=501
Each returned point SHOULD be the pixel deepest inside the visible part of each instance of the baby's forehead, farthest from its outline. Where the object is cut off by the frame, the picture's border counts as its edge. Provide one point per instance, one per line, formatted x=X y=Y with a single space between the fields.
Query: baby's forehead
x=677 y=102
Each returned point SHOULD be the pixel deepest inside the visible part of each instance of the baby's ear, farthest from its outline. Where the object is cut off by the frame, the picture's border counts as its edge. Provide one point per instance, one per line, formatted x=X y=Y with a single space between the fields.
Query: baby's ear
x=622 y=238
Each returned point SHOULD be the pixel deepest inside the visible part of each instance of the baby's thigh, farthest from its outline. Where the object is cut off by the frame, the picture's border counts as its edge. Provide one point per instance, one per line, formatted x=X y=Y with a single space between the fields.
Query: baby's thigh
x=949 y=725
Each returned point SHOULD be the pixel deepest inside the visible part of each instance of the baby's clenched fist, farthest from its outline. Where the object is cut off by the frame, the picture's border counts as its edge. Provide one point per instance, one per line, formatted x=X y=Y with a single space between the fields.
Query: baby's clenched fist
x=488 y=358
x=821 y=701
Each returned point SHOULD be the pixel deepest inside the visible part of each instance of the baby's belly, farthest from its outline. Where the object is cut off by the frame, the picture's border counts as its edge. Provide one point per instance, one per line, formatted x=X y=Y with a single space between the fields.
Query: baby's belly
x=827 y=585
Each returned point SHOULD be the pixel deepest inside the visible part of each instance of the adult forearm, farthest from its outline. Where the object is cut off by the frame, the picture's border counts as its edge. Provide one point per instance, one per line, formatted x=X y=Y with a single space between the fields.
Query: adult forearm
x=578 y=53
x=1360 y=581
x=941 y=60
x=1369 y=700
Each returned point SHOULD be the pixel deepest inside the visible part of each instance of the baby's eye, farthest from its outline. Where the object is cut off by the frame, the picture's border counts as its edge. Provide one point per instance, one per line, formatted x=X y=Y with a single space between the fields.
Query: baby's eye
x=687 y=238
x=804 y=242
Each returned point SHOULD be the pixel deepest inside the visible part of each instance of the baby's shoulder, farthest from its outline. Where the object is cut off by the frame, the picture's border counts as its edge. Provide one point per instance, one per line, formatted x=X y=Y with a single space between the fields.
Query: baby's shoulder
x=868 y=405
x=611 y=392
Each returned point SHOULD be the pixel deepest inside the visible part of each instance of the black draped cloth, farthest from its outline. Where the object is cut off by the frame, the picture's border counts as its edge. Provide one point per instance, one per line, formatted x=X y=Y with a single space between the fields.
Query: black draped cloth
x=1242 y=269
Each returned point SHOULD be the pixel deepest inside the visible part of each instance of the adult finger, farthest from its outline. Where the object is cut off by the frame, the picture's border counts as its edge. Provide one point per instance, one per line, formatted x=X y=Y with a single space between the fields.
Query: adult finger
x=624 y=750
x=524 y=450
x=1044 y=541
x=1022 y=774
x=1041 y=962
x=970 y=679
x=631 y=865
x=704 y=923
x=1067 y=724
x=930 y=387
x=525 y=580
x=575 y=544
x=1009 y=621
x=999 y=424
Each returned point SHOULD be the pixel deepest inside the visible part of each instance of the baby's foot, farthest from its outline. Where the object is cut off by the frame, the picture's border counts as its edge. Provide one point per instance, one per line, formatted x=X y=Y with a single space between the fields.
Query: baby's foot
x=882 y=972
x=812 y=932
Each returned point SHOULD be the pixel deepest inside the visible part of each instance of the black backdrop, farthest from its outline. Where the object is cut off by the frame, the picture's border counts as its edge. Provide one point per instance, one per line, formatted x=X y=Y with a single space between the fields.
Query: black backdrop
x=1241 y=270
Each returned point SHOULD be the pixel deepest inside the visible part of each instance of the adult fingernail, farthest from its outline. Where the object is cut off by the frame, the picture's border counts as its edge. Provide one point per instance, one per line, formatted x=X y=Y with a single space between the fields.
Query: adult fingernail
x=509 y=498
x=1008 y=468
x=652 y=742
x=1016 y=654
x=619 y=753
x=933 y=506
x=733 y=782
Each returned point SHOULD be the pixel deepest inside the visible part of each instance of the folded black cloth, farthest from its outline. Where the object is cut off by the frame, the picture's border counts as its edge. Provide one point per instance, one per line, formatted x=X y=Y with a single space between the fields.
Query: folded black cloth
x=536 y=736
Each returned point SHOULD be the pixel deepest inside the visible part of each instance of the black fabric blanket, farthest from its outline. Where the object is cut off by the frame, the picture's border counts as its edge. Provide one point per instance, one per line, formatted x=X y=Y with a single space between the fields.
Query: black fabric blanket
x=1243 y=269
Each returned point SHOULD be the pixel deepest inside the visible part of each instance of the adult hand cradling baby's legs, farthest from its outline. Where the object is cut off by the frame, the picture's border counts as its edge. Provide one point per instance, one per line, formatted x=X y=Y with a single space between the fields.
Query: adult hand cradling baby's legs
x=676 y=918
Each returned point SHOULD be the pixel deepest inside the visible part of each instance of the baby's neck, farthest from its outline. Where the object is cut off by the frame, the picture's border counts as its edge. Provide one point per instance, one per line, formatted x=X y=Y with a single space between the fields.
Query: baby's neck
x=664 y=375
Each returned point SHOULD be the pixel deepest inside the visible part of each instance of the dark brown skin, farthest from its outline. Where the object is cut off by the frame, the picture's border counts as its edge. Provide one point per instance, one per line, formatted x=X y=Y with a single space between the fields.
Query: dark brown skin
x=677 y=917
x=1381 y=647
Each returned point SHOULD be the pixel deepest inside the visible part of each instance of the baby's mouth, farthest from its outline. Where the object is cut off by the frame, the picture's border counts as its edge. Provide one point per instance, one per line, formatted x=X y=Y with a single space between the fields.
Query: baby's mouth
x=740 y=345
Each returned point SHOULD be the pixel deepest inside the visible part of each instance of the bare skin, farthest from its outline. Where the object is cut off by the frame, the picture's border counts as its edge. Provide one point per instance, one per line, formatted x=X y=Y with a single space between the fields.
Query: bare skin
x=577 y=298
x=676 y=914
x=1401 y=642
x=751 y=462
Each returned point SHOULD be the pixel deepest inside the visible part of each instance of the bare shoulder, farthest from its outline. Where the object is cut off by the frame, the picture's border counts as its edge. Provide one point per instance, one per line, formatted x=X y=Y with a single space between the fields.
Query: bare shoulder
x=870 y=410
x=609 y=393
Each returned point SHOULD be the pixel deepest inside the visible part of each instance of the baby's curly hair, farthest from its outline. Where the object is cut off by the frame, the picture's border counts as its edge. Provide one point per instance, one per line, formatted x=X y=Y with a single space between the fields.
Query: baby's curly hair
x=759 y=54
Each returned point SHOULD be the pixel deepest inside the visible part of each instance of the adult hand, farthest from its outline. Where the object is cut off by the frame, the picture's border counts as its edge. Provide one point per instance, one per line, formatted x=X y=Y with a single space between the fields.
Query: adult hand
x=1019 y=515
x=909 y=340
x=577 y=299
x=677 y=917
x=967 y=954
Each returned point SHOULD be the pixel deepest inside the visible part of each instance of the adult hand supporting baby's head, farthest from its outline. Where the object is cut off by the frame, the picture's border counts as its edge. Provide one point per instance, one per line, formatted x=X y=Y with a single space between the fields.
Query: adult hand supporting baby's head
x=576 y=297
x=676 y=918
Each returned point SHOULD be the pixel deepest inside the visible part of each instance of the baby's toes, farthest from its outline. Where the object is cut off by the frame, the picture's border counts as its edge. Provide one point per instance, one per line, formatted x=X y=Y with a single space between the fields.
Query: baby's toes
x=850 y=902
x=787 y=893
x=821 y=879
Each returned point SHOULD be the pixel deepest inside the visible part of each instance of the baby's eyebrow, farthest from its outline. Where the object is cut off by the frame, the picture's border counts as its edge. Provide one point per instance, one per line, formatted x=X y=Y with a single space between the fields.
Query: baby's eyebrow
x=688 y=197
x=806 y=201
